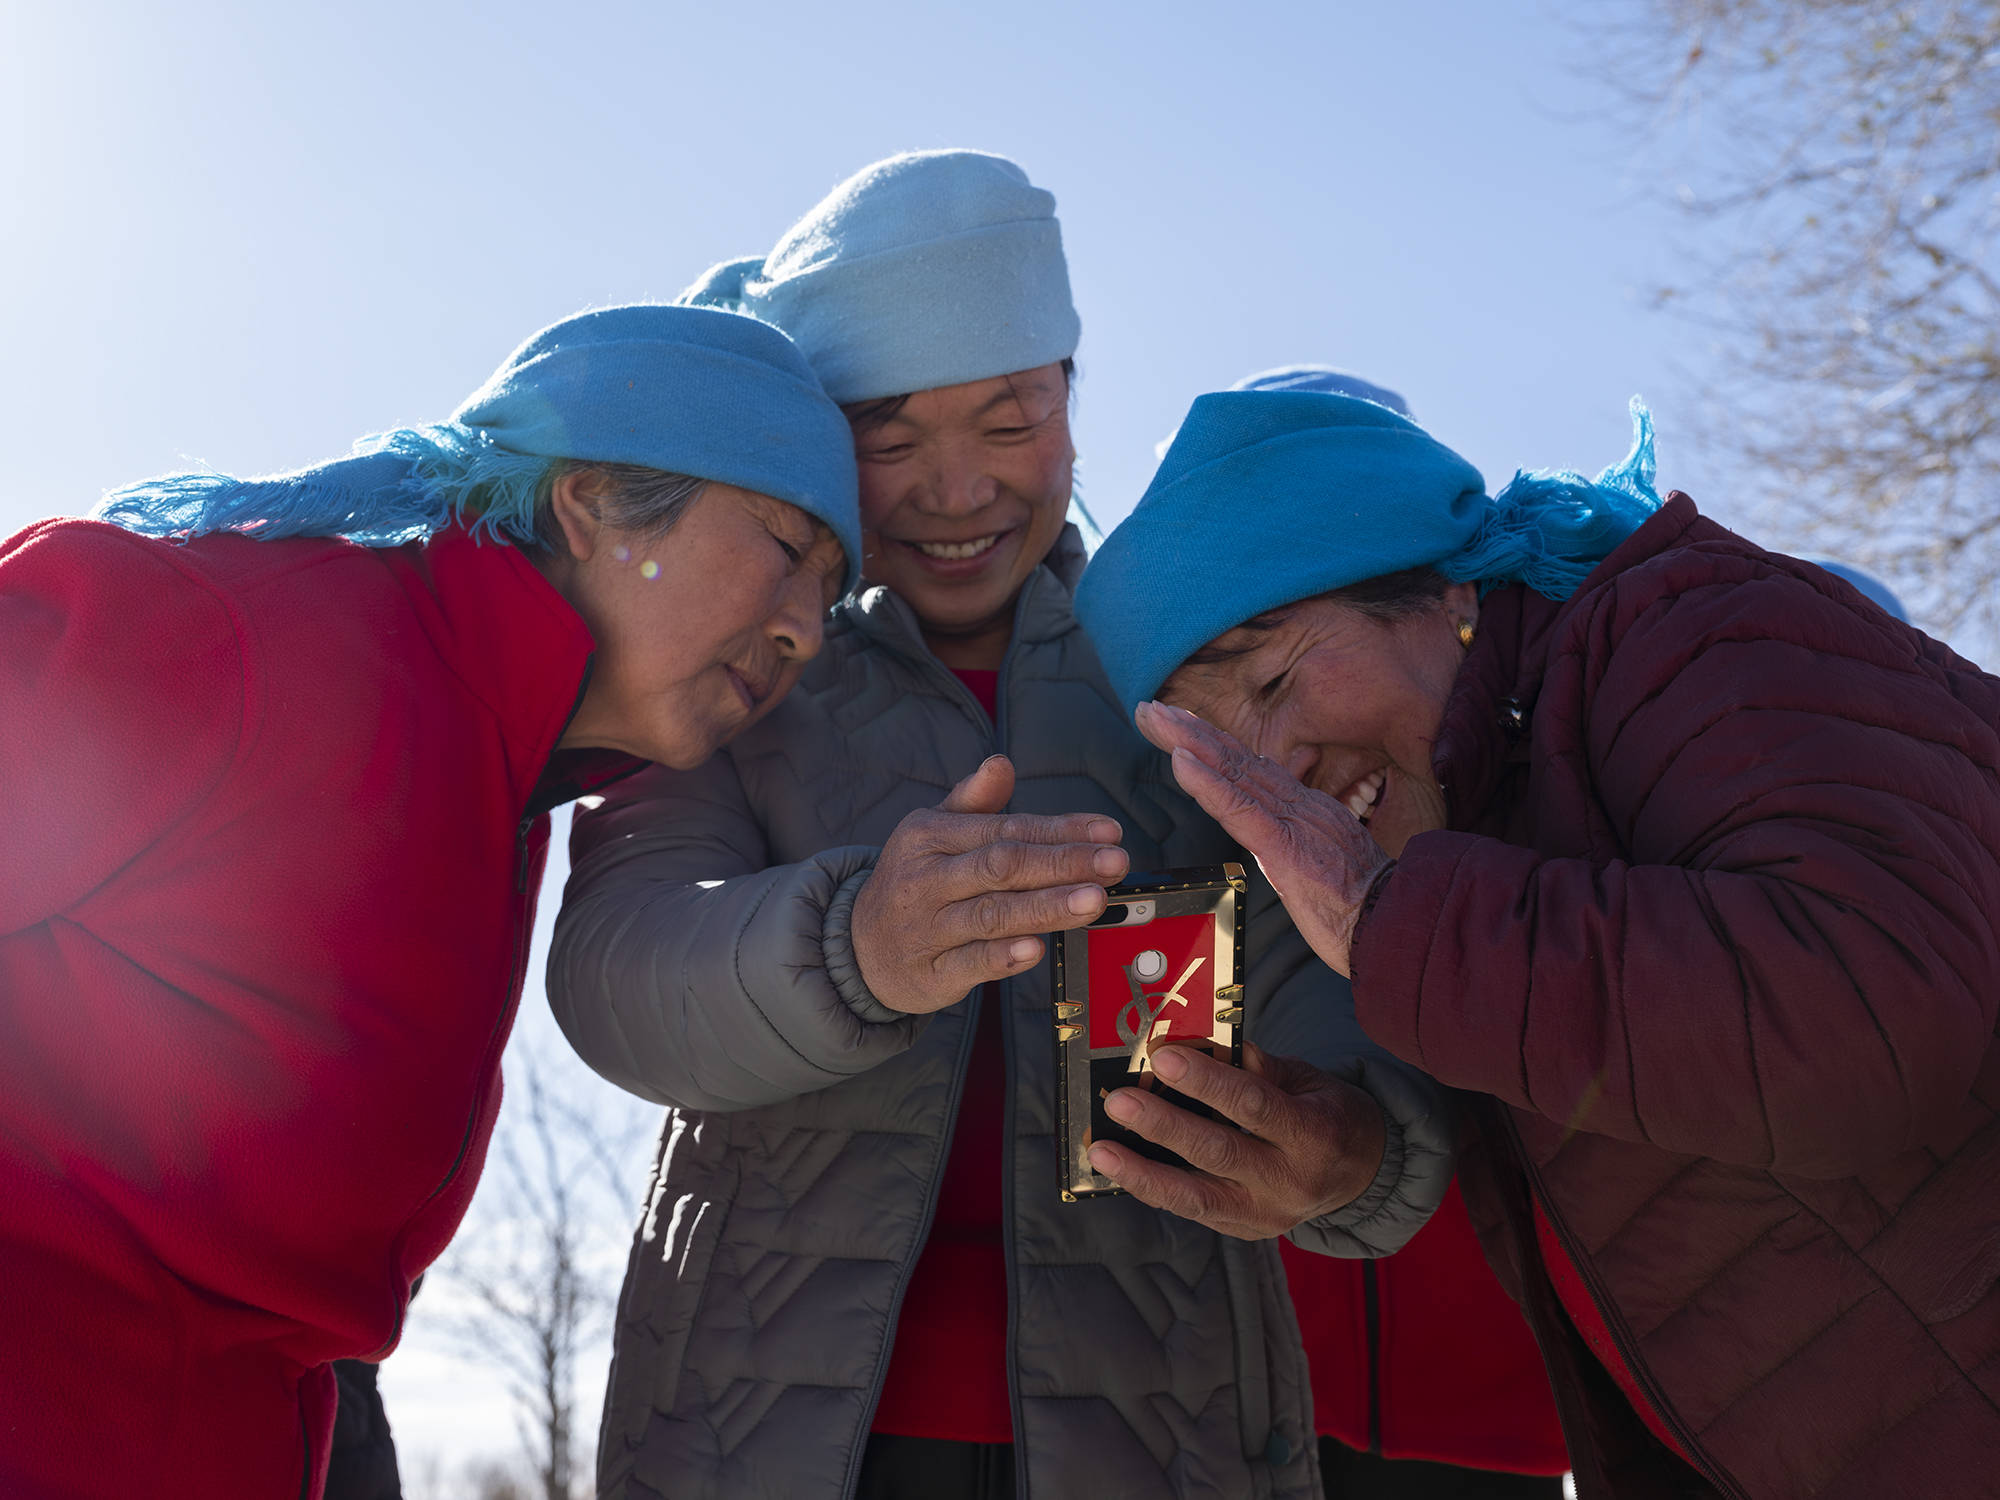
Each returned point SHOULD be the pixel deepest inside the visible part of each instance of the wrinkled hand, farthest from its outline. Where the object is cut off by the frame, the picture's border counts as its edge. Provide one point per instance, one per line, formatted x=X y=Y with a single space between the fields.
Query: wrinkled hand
x=1309 y=1143
x=963 y=890
x=1315 y=853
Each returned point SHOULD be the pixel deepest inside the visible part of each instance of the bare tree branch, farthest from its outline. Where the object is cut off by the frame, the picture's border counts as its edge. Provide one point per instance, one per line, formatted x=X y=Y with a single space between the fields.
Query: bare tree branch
x=525 y=1270
x=1842 y=161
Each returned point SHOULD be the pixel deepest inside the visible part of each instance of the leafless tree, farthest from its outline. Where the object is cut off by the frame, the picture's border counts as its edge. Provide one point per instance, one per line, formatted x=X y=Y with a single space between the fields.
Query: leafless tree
x=485 y=1478
x=1842 y=161
x=533 y=1283
x=489 y=1479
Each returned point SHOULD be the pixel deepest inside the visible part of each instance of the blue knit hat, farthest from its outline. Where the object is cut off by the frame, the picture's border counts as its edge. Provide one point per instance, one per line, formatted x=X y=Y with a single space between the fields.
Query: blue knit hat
x=928 y=269
x=683 y=389
x=1308 y=378
x=1323 y=378
x=1269 y=497
x=1872 y=588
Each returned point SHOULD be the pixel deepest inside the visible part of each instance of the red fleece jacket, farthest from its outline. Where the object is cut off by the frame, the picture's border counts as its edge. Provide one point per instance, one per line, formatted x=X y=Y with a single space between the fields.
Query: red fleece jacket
x=270 y=851
x=1422 y=1355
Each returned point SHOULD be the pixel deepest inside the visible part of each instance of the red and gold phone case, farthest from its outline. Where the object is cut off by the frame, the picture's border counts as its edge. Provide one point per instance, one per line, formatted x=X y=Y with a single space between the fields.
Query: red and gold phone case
x=1163 y=966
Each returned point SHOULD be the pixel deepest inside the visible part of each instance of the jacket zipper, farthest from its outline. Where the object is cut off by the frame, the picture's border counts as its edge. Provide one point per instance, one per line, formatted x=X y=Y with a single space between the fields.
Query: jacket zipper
x=1014 y=1412
x=526 y=941
x=1614 y=1321
x=1002 y=993
x=523 y=944
x=918 y=653
x=923 y=657
x=964 y=1066
x=1371 y=1317
x=857 y=1449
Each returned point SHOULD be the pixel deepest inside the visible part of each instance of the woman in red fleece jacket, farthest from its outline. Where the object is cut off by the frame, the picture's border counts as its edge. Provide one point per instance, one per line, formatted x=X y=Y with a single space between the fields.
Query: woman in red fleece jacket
x=274 y=822
x=1682 y=857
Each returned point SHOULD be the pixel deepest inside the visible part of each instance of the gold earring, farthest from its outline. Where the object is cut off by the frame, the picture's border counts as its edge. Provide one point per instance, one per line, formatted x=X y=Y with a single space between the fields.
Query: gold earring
x=1465 y=633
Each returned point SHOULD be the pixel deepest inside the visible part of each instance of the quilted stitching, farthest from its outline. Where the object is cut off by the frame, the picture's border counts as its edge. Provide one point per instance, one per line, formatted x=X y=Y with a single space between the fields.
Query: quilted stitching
x=1125 y=1342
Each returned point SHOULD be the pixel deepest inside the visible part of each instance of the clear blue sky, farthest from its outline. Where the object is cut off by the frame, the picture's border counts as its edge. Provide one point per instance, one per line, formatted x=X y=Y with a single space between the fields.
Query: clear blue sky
x=244 y=234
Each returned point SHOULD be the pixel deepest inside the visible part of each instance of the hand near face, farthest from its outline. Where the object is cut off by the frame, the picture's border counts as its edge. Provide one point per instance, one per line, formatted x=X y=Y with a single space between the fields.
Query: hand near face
x=964 y=890
x=1309 y=1143
x=1315 y=853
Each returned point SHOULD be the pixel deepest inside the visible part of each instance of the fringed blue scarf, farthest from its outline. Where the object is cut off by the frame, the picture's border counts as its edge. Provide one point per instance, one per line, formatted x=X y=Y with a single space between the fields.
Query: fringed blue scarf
x=395 y=487
x=1551 y=528
x=684 y=390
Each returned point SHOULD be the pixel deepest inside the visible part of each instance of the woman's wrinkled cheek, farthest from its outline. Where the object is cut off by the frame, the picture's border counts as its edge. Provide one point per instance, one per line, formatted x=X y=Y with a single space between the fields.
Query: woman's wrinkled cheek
x=1043 y=476
x=1257 y=732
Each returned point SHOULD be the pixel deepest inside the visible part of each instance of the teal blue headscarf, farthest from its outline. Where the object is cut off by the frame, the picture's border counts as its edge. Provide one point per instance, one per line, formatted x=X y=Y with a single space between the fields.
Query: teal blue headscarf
x=696 y=391
x=1267 y=497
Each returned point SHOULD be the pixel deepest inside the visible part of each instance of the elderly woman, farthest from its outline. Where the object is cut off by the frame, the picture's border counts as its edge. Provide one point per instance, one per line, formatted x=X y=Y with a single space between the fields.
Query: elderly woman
x=278 y=757
x=1682 y=854
x=1426 y=1380
x=857 y=1276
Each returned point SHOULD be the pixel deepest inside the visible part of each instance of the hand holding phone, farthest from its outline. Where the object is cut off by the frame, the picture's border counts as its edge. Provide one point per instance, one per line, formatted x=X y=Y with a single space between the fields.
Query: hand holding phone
x=1282 y=1142
x=1161 y=968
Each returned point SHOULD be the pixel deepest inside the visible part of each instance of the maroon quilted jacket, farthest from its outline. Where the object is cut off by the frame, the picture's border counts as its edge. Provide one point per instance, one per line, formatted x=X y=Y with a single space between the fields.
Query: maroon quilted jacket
x=1715 y=929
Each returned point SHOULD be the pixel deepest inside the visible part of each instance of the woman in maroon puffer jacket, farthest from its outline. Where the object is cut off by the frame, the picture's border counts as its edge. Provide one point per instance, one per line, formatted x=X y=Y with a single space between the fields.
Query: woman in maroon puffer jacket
x=1680 y=856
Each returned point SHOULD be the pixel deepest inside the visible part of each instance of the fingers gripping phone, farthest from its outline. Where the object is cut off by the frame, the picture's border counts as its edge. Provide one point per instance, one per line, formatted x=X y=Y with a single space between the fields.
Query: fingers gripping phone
x=1162 y=967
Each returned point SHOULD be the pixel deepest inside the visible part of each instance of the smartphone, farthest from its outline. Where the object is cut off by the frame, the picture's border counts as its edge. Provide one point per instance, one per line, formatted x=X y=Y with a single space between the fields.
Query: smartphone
x=1162 y=967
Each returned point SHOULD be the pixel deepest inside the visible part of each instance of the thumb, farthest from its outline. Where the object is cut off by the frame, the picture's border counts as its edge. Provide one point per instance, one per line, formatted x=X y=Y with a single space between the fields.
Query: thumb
x=986 y=790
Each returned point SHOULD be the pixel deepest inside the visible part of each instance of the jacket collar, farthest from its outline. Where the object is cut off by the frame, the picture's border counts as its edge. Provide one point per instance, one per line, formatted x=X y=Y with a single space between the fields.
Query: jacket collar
x=505 y=632
x=1043 y=612
x=1485 y=727
x=1486 y=717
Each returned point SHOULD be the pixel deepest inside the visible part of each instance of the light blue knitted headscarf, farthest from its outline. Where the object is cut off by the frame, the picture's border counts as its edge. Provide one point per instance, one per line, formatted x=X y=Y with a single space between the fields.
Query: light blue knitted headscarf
x=928 y=269
x=1271 y=496
x=687 y=390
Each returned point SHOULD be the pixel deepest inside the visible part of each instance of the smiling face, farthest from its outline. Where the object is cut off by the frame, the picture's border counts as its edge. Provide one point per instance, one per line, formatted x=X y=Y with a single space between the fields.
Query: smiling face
x=700 y=629
x=1347 y=702
x=963 y=492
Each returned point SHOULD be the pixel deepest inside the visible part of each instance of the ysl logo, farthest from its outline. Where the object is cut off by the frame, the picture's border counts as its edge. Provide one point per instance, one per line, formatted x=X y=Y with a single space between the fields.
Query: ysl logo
x=1141 y=1022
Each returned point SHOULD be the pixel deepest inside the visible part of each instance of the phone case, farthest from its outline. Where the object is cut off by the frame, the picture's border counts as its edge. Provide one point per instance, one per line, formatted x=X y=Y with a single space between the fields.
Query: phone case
x=1163 y=966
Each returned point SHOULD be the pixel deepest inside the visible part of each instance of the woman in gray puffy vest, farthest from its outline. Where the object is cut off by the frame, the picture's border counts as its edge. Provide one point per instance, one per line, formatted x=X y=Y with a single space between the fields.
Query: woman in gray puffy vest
x=854 y=1273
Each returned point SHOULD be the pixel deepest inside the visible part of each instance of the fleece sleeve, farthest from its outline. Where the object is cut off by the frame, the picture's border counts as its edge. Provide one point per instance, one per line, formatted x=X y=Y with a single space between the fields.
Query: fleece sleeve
x=121 y=706
x=1787 y=955
x=687 y=973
